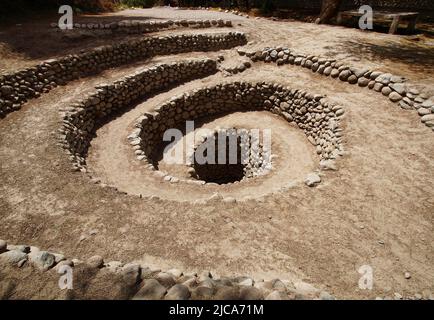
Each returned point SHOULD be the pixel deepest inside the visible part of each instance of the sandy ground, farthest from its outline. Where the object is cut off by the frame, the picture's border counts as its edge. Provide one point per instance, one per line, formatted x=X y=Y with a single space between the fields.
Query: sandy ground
x=377 y=209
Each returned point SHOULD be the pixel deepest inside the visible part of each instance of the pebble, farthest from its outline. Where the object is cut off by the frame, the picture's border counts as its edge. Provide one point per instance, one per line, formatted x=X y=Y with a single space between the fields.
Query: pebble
x=344 y=75
x=276 y=295
x=386 y=91
x=130 y=274
x=229 y=200
x=428 y=103
x=428 y=117
x=12 y=257
x=397 y=296
x=58 y=257
x=312 y=179
x=395 y=97
x=227 y=293
x=328 y=165
x=399 y=87
x=375 y=75
x=352 y=79
x=251 y=293
x=176 y=273
x=151 y=290
x=384 y=78
x=43 y=260
x=178 y=292
x=378 y=86
x=423 y=111
x=6 y=90
x=202 y=293
x=407 y=275
x=165 y=279
x=363 y=82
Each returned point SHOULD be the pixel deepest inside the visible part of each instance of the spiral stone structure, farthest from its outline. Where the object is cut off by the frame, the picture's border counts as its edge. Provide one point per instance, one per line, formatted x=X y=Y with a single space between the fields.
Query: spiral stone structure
x=344 y=181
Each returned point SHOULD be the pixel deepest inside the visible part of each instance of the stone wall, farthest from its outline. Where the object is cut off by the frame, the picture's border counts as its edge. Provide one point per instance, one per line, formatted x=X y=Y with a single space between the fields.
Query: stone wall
x=18 y=87
x=395 y=88
x=415 y=5
x=140 y=282
x=140 y=26
x=81 y=120
x=311 y=113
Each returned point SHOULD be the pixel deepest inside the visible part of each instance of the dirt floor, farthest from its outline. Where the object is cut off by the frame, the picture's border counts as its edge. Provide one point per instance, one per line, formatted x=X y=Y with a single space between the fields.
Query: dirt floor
x=377 y=209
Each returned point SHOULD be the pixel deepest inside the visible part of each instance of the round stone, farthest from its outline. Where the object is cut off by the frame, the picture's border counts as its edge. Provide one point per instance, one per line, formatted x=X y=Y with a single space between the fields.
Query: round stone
x=375 y=75
x=227 y=293
x=344 y=75
x=352 y=79
x=43 y=260
x=178 y=292
x=251 y=293
x=130 y=273
x=165 y=279
x=395 y=97
x=12 y=257
x=386 y=91
x=95 y=262
x=378 y=86
x=428 y=117
x=423 y=111
x=363 y=82
x=335 y=73
x=6 y=90
x=151 y=290
x=312 y=179
x=428 y=103
x=202 y=293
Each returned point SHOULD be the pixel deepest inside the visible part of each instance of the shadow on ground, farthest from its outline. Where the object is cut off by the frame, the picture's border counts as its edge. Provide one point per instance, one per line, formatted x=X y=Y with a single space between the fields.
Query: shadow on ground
x=420 y=56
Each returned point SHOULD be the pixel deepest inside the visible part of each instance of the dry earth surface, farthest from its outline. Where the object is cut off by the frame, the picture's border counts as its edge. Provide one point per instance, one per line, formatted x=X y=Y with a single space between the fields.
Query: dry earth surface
x=377 y=209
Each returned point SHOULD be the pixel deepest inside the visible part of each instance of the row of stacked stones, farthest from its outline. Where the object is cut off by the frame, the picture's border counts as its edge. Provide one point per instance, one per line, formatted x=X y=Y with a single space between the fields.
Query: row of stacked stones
x=18 y=87
x=144 y=283
x=314 y=115
x=81 y=119
x=239 y=68
x=140 y=26
x=394 y=87
x=352 y=4
x=235 y=12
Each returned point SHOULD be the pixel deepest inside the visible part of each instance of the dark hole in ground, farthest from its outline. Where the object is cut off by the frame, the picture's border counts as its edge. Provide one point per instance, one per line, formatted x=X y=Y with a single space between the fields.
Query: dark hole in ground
x=223 y=169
